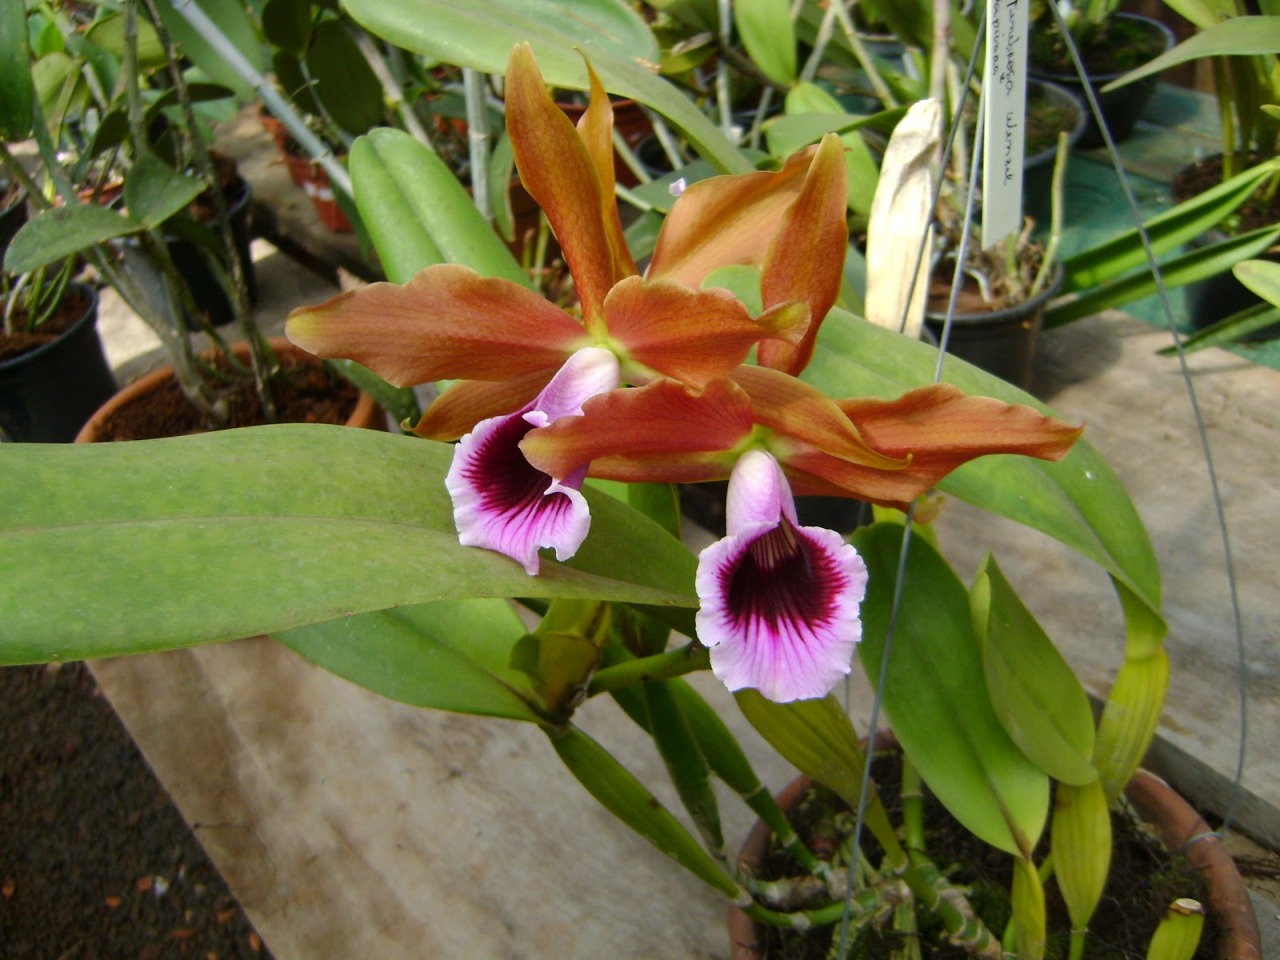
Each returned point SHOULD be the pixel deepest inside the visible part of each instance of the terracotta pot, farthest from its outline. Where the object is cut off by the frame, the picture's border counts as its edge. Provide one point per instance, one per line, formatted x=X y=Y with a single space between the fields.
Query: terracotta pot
x=1178 y=825
x=367 y=414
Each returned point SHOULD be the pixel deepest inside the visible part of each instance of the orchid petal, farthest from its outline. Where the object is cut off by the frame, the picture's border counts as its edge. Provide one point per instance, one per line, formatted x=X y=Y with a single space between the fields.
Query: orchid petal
x=779 y=602
x=458 y=409
x=500 y=501
x=725 y=220
x=557 y=170
x=595 y=126
x=799 y=412
x=939 y=428
x=690 y=335
x=805 y=261
x=658 y=431
x=447 y=322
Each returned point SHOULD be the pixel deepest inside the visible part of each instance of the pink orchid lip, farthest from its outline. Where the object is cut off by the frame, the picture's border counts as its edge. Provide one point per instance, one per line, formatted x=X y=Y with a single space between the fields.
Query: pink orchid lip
x=502 y=502
x=779 y=602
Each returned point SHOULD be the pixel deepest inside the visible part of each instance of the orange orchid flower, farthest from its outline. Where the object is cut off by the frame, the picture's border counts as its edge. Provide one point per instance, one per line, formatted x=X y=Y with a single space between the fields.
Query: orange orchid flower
x=506 y=342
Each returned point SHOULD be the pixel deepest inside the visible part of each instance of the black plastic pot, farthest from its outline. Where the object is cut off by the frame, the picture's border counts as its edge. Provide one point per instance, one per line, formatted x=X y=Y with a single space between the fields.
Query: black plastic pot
x=1122 y=108
x=1002 y=342
x=47 y=393
x=191 y=263
x=1037 y=168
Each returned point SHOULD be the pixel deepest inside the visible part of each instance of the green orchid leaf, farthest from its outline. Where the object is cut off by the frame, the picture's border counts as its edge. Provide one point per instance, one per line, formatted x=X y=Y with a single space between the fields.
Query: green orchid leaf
x=935 y=694
x=1034 y=692
x=689 y=771
x=450 y=655
x=1166 y=231
x=59 y=232
x=1208 y=261
x=154 y=191
x=16 y=86
x=1228 y=330
x=1239 y=36
x=769 y=36
x=612 y=36
x=232 y=18
x=814 y=736
x=1078 y=501
x=626 y=798
x=818 y=739
x=108 y=549
x=342 y=79
x=418 y=214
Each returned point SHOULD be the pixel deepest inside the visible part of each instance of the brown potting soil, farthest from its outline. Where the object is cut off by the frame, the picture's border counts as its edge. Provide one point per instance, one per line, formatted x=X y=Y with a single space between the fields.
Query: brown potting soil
x=1143 y=880
x=303 y=393
x=69 y=310
x=95 y=861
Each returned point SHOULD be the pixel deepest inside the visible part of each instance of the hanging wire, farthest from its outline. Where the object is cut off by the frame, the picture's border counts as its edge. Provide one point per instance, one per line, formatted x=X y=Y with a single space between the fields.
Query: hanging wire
x=1201 y=430
x=900 y=575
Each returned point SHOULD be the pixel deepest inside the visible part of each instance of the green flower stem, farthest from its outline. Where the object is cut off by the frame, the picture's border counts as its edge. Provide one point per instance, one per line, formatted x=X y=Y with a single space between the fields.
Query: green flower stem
x=964 y=927
x=674 y=663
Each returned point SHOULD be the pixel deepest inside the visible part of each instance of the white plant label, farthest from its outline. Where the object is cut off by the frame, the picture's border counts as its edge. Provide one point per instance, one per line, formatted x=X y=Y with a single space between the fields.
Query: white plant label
x=1004 y=87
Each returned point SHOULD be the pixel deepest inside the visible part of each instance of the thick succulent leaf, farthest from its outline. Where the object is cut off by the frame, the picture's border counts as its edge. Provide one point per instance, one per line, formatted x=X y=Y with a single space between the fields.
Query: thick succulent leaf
x=62 y=231
x=124 y=548
x=1078 y=500
x=15 y=74
x=1035 y=693
x=418 y=214
x=620 y=47
x=935 y=694
x=449 y=655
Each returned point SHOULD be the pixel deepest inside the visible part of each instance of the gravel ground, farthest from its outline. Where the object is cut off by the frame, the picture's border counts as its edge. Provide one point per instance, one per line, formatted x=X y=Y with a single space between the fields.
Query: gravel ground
x=95 y=861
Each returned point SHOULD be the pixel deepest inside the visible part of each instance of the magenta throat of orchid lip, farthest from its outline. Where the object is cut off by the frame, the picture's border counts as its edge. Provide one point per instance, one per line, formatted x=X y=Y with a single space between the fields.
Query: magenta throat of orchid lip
x=507 y=482
x=781 y=579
